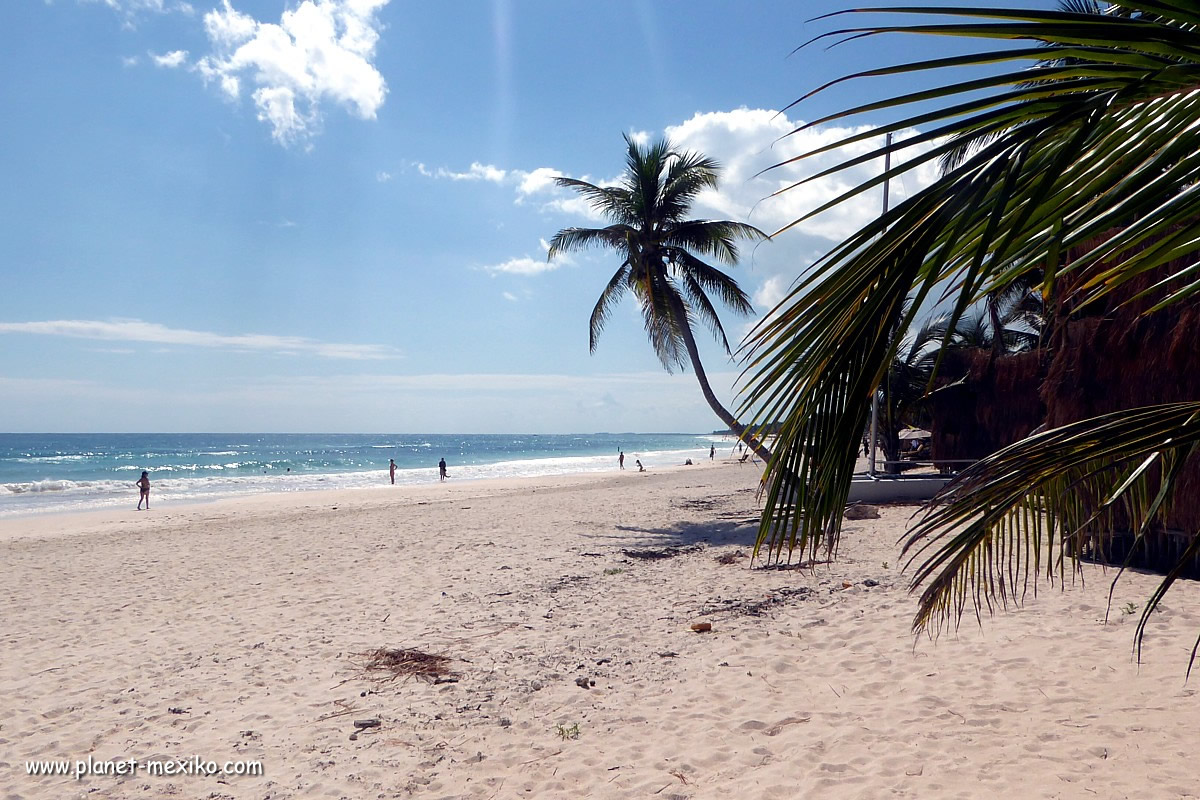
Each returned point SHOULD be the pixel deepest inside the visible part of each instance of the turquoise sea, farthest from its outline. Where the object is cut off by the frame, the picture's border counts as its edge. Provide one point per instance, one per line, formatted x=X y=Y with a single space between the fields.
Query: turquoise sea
x=42 y=473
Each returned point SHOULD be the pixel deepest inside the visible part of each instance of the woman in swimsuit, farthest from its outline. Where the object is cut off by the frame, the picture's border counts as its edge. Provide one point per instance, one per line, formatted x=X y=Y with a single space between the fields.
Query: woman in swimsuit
x=143 y=483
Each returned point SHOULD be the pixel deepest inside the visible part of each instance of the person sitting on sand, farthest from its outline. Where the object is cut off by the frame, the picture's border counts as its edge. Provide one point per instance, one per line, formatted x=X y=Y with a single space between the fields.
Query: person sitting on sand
x=638 y=461
x=143 y=483
x=442 y=470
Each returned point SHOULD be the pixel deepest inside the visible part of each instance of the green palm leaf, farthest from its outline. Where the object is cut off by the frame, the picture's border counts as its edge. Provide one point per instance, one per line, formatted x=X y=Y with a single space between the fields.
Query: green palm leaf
x=1093 y=151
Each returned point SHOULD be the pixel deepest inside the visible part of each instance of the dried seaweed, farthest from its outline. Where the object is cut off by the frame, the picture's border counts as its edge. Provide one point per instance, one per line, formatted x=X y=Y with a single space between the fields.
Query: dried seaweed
x=387 y=664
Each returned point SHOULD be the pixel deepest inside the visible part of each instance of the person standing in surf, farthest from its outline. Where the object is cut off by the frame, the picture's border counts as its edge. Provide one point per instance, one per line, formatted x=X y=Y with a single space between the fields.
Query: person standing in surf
x=143 y=483
x=442 y=470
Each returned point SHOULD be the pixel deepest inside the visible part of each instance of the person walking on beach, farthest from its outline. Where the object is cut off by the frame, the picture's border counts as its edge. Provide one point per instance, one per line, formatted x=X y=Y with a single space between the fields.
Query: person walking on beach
x=392 y=470
x=143 y=483
x=712 y=452
x=442 y=470
x=621 y=458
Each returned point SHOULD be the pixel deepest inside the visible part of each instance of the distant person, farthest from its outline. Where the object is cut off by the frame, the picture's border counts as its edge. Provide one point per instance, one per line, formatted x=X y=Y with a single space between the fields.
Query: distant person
x=442 y=470
x=392 y=470
x=143 y=483
x=638 y=461
x=739 y=448
x=712 y=452
x=621 y=459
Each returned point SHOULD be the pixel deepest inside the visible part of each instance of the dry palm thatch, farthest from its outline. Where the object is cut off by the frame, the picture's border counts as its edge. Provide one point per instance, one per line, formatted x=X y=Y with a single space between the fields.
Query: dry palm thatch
x=985 y=404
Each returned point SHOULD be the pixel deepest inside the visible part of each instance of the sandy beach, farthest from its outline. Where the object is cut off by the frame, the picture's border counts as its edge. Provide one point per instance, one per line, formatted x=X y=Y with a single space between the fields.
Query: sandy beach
x=233 y=633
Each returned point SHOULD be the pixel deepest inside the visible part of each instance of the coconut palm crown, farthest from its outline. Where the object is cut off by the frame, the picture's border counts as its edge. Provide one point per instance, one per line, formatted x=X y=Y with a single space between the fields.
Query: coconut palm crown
x=1076 y=142
x=662 y=254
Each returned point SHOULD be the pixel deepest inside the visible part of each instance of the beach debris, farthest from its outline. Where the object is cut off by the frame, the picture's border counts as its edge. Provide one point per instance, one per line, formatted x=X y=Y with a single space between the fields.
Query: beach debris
x=731 y=557
x=536 y=686
x=585 y=682
x=387 y=664
x=177 y=710
x=862 y=511
x=701 y=627
x=775 y=729
x=566 y=582
x=870 y=582
x=667 y=654
x=366 y=723
x=847 y=585
x=665 y=552
x=758 y=607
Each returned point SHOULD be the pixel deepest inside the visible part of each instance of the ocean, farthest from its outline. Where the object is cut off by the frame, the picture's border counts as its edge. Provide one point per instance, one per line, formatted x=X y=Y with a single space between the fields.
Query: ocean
x=44 y=473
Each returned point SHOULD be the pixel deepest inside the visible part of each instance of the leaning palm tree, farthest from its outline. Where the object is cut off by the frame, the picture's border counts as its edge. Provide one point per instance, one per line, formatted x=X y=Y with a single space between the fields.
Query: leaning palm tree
x=661 y=254
x=1083 y=162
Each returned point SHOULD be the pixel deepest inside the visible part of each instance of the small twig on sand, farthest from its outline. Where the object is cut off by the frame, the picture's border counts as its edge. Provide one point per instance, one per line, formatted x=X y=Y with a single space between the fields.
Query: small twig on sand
x=541 y=758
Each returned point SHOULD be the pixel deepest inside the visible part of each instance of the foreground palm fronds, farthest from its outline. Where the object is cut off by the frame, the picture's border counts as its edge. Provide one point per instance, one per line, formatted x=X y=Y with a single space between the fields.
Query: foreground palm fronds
x=1081 y=140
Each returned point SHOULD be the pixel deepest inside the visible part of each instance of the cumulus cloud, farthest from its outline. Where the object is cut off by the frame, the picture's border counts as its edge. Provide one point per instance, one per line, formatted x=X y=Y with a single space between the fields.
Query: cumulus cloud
x=770 y=293
x=525 y=265
x=175 y=58
x=133 y=330
x=477 y=172
x=746 y=142
x=321 y=51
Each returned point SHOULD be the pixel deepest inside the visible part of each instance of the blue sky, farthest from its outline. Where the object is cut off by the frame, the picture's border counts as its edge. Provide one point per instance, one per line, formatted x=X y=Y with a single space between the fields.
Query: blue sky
x=252 y=215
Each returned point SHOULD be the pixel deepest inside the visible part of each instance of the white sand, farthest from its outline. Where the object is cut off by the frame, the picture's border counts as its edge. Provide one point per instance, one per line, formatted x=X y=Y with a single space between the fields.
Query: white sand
x=245 y=616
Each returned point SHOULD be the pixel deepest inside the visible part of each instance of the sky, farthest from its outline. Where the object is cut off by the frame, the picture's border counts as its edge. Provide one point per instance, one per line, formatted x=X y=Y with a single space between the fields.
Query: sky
x=332 y=215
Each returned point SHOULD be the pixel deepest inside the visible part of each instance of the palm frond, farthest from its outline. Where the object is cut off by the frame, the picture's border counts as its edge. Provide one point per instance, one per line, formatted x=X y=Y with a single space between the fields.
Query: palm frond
x=615 y=202
x=711 y=279
x=615 y=237
x=697 y=301
x=1096 y=152
x=618 y=284
x=715 y=238
x=1032 y=506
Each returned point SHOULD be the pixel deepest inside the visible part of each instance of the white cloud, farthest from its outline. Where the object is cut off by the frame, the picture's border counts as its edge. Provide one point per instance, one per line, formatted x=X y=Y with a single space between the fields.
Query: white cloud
x=748 y=141
x=523 y=266
x=771 y=292
x=477 y=172
x=175 y=58
x=509 y=296
x=150 y=332
x=531 y=266
x=539 y=180
x=383 y=177
x=745 y=142
x=320 y=51
x=131 y=9
x=129 y=61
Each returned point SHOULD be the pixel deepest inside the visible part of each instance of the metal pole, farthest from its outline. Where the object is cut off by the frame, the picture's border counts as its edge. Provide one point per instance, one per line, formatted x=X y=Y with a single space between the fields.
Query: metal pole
x=887 y=167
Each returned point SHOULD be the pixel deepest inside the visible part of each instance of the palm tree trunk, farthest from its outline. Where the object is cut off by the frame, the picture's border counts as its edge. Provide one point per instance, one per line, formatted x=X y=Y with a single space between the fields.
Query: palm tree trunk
x=694 y=354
